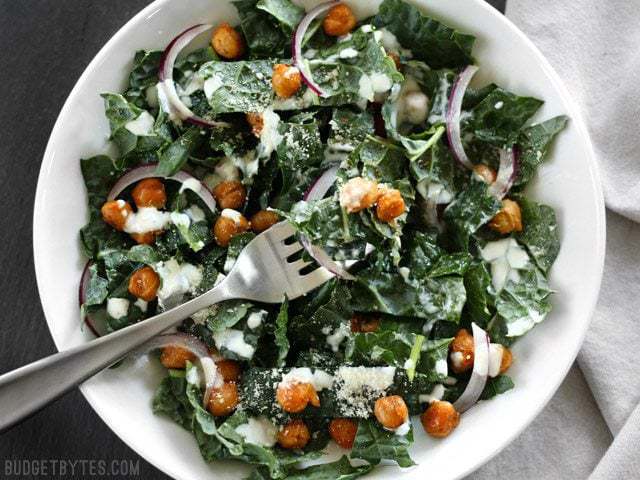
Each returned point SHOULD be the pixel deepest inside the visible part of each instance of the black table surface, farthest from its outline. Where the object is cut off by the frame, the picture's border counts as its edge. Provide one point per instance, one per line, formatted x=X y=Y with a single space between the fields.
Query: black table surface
x=45 y=45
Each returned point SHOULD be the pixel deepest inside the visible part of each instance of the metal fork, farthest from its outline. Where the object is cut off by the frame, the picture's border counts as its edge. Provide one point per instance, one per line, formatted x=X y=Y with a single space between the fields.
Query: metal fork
x=261 y=273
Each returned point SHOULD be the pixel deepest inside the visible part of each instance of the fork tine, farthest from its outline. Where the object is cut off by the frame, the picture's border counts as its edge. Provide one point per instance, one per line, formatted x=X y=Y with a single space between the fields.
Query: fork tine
x=281 y=231
x=299 y=265
x=288 y=250
x=316 y=278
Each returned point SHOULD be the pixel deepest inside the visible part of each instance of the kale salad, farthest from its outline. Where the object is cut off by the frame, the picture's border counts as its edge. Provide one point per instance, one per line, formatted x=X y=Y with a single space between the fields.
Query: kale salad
x=399 y=176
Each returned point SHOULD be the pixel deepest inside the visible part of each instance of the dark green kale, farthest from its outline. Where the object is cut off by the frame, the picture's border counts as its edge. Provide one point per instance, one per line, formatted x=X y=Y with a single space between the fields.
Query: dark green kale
x=428 y=39
x=499 y=118
x=470 y=210
x=534 y=144
x=373 y=444
x=540 y=233
x=262 y=31
x=174 y=157
x=143 y=75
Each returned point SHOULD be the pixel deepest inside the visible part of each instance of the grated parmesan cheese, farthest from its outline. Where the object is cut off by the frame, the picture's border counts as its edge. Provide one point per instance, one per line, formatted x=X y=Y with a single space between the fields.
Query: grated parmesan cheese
x=357 y=388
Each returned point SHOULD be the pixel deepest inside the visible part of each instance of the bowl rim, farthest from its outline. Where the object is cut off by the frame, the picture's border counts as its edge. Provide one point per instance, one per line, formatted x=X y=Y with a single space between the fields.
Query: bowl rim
x=577 y=121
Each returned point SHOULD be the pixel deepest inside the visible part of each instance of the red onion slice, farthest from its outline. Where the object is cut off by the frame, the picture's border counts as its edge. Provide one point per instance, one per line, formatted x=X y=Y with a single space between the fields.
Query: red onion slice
x=196 y=347
x=507 y=173
x=480 y=372
x=82 y=299
x=168 y=86
x=324 y=260
x=149 y=171
x=317 y=191
x=298 y=38
x=454 y=109
x=321 y=185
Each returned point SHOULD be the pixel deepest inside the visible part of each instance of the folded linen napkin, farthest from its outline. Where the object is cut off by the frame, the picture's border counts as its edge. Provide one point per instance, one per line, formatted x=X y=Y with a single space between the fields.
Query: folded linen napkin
x=594 y=46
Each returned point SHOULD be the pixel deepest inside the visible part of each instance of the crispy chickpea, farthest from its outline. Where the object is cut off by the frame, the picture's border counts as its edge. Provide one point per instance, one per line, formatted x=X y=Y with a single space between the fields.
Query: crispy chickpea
x=226 y=228
x=508 y=219
x=149 y=193
x=339 y=21
x=294 y=435
x=390 y=205
x=487 y=174
x=263 y=220
x=461 y=349
x=343 y=431
x=146 y=238
x=229 y=369
x=230 y=194
x=286 y=80
x=144 y=283
x=224 y=400
x=364 y=324
x=256 y=121
x=507 y=359
x=176 y=357
x=358 y=194
x=439 y=419
x=115 y=213
x=396 y=59
x=391 y=411
x=295 y=397
x=227 y=42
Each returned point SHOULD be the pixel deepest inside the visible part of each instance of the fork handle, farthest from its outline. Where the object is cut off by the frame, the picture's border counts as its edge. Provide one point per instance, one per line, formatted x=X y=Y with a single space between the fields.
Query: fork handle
x=27 y=389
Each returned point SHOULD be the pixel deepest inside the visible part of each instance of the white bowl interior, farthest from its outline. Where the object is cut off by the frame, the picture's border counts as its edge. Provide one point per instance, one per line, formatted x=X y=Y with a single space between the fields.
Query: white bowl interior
x=569 y=182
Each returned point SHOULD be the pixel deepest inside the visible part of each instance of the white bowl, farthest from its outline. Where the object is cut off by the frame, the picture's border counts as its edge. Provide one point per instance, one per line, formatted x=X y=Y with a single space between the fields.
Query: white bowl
x=569 y=182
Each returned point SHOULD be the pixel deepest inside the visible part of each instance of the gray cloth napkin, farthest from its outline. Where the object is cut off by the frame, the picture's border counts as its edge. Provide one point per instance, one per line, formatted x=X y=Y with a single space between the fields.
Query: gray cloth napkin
x=595 y=46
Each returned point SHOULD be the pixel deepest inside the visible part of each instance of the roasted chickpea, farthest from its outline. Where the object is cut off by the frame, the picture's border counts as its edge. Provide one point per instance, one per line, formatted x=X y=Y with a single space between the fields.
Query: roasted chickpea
x=294 y=435
x=340 y=20
x=149 y=193
x=390 y=205
x=286 y=80
x=507 y=359
x=227 y=42
x=229 y=369
x=263 y=220
x=226 y=228
x=176 y=357
x=295 y=397
x=396 y=59
x=146 y=238
x=461 y=349
x=358 y=194
x=343 y=431
x=230 y=194
x=223 y=400
x=439 y=419
x=364 y=324
x=256 y=121
x=115 y=213
x=144 y=284
x=508 y=219
x=391 y=411
x=487 y=174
